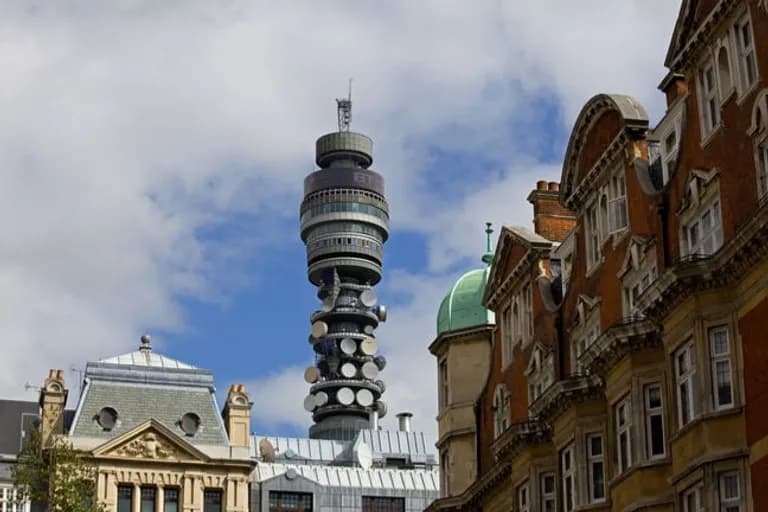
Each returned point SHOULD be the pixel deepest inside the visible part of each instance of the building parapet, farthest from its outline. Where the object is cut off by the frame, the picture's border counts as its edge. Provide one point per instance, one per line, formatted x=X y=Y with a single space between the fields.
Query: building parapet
x=633 y=334
x=564 y=394
x=518 y=436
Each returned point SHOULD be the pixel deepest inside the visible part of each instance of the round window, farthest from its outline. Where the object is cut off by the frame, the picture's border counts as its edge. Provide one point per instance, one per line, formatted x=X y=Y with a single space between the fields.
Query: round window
x=107 y=418
x=190 y=423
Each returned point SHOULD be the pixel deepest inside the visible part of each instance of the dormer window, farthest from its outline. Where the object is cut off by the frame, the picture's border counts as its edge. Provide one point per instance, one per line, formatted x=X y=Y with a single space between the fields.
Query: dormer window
x=704 y=234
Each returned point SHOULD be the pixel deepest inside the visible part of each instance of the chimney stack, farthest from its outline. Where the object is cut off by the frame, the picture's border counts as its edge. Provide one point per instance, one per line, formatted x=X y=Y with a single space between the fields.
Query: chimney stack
x=550 y=219
x=404 y=421
x=53 y=398
x=237 y=416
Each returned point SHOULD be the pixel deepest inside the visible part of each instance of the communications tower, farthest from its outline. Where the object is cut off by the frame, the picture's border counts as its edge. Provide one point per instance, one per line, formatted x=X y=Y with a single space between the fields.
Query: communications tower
x=344 y=224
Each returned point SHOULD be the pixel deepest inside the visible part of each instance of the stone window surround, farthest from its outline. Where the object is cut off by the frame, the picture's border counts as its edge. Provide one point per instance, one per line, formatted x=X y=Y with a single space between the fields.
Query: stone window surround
x=640 y=262
x=516 y=321
x=707 y=472
x=702 y=191
x=587 y=327
x=576 y=437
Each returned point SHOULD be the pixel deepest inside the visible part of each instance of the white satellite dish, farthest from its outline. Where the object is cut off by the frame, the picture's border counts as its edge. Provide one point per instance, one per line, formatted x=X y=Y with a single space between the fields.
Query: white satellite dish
x=348 y=370
x=309 y=403
x=329 y=303
x=345 y=396
x=368 y=298
x=369 y=346
x=364 y=456
x=368 y=329
x=348 y=346
x=319 y=329
x=321 y=398
x=364 y=397
x=311 y=375
x=370 y=370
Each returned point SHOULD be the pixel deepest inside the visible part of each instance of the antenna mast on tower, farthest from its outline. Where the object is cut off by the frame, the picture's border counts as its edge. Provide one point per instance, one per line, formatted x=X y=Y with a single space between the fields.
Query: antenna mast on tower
x=344 y=110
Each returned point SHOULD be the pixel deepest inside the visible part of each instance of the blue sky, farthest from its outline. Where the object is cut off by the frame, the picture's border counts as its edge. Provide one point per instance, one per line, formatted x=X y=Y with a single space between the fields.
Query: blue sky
x=152 y=161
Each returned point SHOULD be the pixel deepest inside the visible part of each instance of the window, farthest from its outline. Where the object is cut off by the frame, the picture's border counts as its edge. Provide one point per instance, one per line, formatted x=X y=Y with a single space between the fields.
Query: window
x=382 y=504
x=704 y=234
x=730 y=492
x=654 y=422
x=724 y=71
x=548 y=495
x=596 y=467
x=722 y=386
x=284 y=501
x=592 y=236
x=762 y=167
x=634 y=289
x=500 y=413
x=685 y=369
x=623 y=415
x=523 y=503
x=670 y=152
x=8 y=501
x=568 y=476
x=124 y=498
x=709 y=103
x=148 y=499
x=506 y=335
x=527 y=314
x=443 y=383
x=540 y=373
x=171 y=499
x=212 y=501
x=746 y=48
x=617 y=202
x=581 y=345
x=445 y=473
x=692 y=501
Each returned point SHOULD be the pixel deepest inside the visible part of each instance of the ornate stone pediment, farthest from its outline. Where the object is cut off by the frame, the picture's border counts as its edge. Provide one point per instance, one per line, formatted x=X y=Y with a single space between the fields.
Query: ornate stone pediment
x=152 y=441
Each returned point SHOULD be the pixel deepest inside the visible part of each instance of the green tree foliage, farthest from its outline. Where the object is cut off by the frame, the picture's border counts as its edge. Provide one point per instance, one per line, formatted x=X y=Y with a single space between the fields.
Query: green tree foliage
x=57 y=476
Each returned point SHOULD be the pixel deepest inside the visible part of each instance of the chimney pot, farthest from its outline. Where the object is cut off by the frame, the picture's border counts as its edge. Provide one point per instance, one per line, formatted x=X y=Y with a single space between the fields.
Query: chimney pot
x=404 y=421
x=554 y=186
x=541 y=185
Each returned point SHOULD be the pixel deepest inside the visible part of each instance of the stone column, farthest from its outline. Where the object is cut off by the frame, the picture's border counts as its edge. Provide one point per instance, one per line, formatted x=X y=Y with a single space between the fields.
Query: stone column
x=136 y=502
x=159 y=498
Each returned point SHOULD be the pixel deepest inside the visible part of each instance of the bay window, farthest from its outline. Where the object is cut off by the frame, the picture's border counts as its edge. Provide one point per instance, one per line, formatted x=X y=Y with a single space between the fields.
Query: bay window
x=722 y=382
x=685 y=370
x=654 y=422
x=596 y=467
x=623 y=419
x=568 y=477
x=730 y=492
x=548 y=495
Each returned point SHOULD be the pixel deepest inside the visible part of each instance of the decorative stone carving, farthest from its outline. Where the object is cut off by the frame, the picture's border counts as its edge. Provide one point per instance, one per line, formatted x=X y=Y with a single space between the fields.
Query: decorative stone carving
x=764 y=5
x=148 y=446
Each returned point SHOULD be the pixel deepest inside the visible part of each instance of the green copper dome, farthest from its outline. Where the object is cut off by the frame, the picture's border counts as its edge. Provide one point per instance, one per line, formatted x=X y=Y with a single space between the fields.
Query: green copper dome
x=462 y=307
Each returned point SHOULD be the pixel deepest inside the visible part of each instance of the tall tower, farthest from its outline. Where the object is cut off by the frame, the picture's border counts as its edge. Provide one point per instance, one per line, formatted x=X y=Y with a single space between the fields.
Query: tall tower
x=344 y=224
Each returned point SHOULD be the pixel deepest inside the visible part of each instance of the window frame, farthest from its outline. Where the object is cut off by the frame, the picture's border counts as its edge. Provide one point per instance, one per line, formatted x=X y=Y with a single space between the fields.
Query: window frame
x=715 y=360
x=617 y=202
x=568 y=478
x=500 y=411
x=523 y=497
x=709 y=100
x=713 y=208
x=746 y=55
x=726 y=503
x=129 y=488
x=167 y=493
x=506 y=335
x=280 y=494
x=688 y=377
x=594 y=459
x=551 y=496
x=695 y=491
x=592 y=238
x=444 y=388
x=623 y=430
x=390 y=503
x=651 y=412
x=761 y=148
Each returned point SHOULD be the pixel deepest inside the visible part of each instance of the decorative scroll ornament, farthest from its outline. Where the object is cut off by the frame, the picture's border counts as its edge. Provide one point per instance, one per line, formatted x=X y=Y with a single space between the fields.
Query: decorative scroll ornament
x=147 y=446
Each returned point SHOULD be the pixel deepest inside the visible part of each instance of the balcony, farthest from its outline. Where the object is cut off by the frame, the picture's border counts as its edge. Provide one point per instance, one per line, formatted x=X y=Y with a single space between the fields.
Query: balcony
x=518 y=436
x=565 y=393
x=633 y=334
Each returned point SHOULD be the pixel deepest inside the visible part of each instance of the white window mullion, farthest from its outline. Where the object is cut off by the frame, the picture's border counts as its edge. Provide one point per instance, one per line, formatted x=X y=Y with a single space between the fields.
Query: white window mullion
x=548 y=493
x=730 y=492
x=596 y=468
x=654 y=422
x=722 y=378
x=685 y=369
x=623 y=419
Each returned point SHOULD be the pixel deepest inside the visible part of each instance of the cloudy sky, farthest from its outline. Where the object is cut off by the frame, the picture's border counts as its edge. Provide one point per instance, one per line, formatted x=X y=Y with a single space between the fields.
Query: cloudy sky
x=152 y=157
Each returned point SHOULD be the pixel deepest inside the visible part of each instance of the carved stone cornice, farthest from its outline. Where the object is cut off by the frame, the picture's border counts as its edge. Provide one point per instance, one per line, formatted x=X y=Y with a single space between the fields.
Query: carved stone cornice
x=701 y=36
x=564 y=394
x=632 y=335
x=472 y=498
x=748 y=247
x=519 y=436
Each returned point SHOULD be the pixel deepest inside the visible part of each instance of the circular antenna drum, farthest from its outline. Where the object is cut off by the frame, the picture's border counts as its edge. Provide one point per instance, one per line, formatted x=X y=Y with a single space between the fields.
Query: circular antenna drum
x=368 y=347
x=309 y=403
x=319 y=329
x=370 y=370
x=348 y=370
x=364 y=456
x=348 y=346
x=368 y=298
x=345 y=396
x=364 y=397
x=311 y=375
x=321 y=398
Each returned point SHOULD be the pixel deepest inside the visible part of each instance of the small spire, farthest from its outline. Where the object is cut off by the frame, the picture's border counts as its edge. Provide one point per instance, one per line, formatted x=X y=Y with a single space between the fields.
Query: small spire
x=488 y=256
x=146 y=343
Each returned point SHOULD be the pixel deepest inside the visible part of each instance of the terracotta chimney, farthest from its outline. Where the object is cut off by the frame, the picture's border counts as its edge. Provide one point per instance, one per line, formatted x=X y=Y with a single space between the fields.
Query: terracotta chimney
x=550 y=219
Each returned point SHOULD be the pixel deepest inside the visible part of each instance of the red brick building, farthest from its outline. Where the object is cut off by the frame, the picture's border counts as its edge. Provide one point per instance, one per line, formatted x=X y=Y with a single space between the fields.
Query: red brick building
x=629 y=362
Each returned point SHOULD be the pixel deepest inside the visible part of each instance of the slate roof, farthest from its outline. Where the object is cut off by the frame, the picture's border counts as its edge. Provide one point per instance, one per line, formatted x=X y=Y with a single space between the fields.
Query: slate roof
x=16 y=417
x=148 y=359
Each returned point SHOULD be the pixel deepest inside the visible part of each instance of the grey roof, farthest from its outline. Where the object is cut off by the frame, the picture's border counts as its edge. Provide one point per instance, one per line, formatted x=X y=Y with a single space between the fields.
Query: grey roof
x=16 y=417
x=418 y=447
x=137 y=403
x=335 y=476
x=528 y=235
x=147 y=358
x=301 y=449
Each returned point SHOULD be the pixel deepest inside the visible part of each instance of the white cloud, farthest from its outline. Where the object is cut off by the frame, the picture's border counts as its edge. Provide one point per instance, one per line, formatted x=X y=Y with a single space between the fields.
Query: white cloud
x=130 y=126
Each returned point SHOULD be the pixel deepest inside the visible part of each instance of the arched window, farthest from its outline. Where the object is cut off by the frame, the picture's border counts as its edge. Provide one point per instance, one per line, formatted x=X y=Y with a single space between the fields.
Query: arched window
x=759 y=132
x=724 y=71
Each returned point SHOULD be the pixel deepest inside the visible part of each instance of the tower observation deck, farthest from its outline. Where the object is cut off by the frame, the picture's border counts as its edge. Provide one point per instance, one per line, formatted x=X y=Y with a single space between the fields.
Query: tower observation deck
x=344 y=224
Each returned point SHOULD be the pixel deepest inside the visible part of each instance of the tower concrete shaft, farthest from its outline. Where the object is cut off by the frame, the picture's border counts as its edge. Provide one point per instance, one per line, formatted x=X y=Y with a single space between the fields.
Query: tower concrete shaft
x=344 y=224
